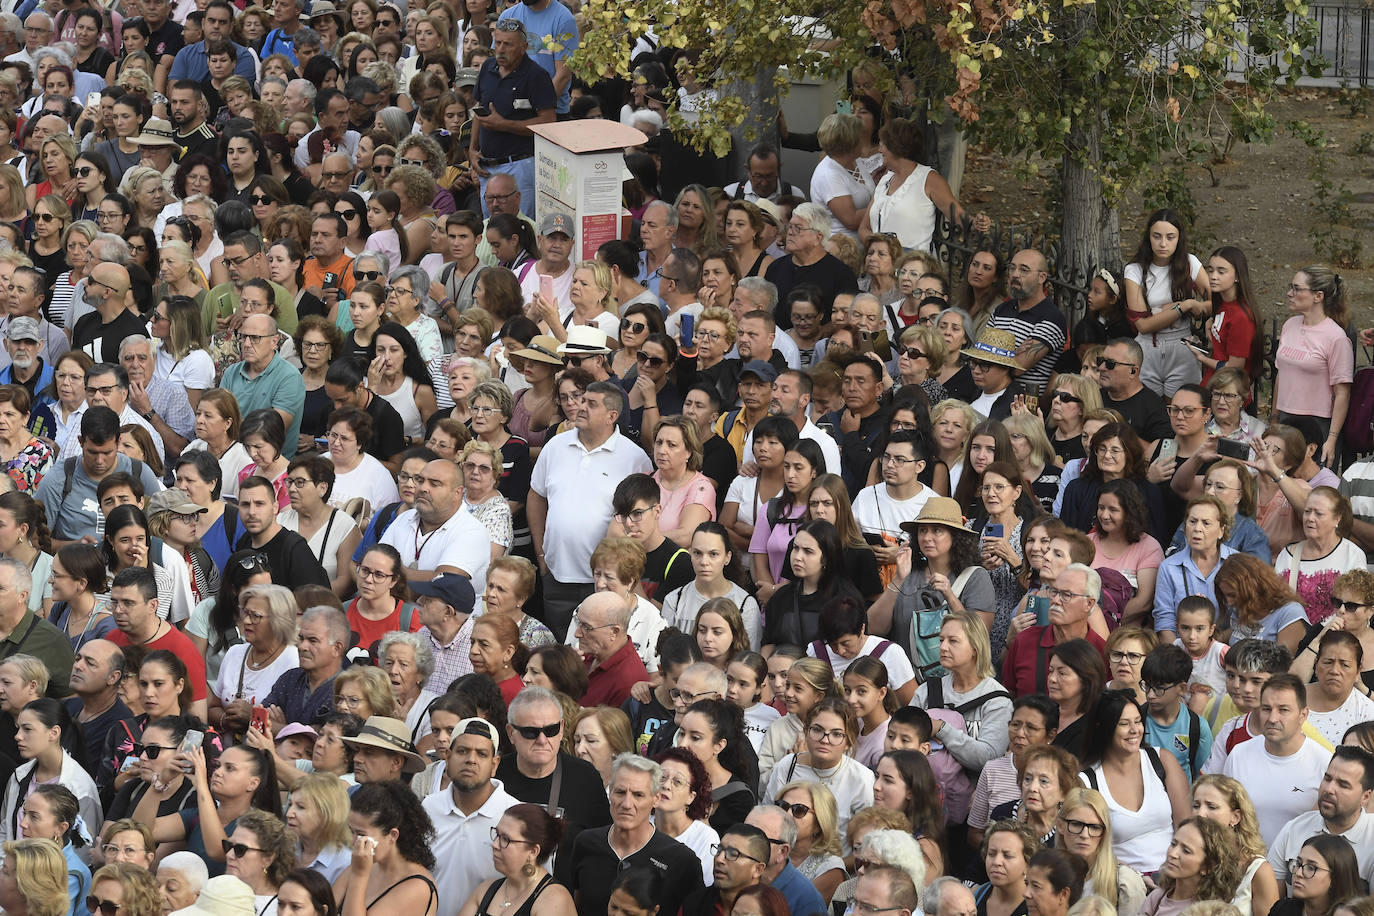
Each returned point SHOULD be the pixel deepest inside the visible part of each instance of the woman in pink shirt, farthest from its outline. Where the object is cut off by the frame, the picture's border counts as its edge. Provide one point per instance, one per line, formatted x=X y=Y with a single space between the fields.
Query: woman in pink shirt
x=1315 y=360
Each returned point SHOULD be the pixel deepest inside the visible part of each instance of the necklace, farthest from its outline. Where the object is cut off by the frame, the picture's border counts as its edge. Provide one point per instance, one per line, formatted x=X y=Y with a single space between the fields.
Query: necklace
x=156 y=630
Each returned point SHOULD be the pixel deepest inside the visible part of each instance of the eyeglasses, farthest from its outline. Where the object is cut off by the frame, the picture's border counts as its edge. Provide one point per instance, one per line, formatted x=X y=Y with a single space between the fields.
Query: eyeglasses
x=332 y=175
x=348 y=702
x=898 y=460
x=399 y=289
x=1081 y=827
x=1062 y=594
x=689 y=698
x=1349 y=607
x=255 y=562
x=797 y=809
x=730 y=853
x=1159 y=690
x=710 y=335
x=1067 y=398
x=493 y=198
x=634 y=327
x=111 y=850
x=348 y=214
x=1184 y=412
x=993 y=487
x=374 y=575
x=580 y=624
x=1298 y=866
x=1113 y=452
x=1214 y=486
x=1109 y=364
x=251 y=616
x=238 y=849
x=653 y=362
x=913 y=353
x=1116 y=657
x=470 y=468
x=858 y=908
x=576 y=397
x=532 y=732
x=314 y=345
x=834 y=736
x=638 y=514
x=254 y=337
x=1295 y=289
x=104 y=390
x=483 y=412
x=238 y=262
x=260 y=200
x=94 y=903
x=298 y=482
x=151 y=750
x=84 y=171
x=1225 y=396
x=502 y=841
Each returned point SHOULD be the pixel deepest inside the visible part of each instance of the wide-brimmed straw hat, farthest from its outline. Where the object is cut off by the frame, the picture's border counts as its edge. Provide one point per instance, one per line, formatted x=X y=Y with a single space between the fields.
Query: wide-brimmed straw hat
x=994 y=346
x=939 y=510
x=542 y=349
x=389 y=735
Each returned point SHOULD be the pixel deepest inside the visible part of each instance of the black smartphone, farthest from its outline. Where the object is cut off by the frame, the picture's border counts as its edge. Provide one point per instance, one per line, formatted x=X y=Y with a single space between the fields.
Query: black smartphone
x=1230 y=448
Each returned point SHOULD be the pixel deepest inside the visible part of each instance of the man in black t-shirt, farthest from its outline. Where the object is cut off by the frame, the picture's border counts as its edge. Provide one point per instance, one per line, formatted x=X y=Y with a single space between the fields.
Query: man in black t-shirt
x=1119 y=372
x=667 y=565
x=807 y=261
x=292 y=561
x=100 y=333
x=343 y=382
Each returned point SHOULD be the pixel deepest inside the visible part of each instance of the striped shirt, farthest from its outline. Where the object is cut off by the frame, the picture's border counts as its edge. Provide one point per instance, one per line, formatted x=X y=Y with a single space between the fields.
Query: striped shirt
x=1045 y=323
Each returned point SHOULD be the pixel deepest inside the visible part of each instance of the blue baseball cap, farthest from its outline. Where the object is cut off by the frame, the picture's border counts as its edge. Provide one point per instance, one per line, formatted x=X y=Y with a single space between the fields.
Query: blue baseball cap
x=455 y=590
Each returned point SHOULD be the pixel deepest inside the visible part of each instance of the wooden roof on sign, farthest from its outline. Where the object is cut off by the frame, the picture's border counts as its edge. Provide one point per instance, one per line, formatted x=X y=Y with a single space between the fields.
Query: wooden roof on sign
x=590 y=135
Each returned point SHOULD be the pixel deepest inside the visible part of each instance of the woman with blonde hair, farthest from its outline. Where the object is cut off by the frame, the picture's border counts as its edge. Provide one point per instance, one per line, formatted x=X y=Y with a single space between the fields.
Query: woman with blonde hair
x=14 y=208
x=180 y=275
x=921 y=352
x=1203 y=864
x=966 y=656
x=1035 y=457
x=482 y=466
x=817 y=851
x=33 y=879
x=76 y=242
x=952 y=422
x=50 y=217
x=838 y=183
x=1084 y=828
x=1072 y=397
x=143 y=186
x=132 y=890
x=593 y=300
x=809 y=681
x=364 y=691
x=601 y=734
x=1224 y=800
x=696 y=220
x=182 y=358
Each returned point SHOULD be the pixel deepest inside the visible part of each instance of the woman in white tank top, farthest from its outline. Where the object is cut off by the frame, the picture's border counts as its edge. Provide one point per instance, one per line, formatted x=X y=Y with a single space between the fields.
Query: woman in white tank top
x=398 y=375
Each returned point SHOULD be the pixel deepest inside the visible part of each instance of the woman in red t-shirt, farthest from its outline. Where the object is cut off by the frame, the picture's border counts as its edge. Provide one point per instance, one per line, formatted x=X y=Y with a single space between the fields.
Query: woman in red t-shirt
x=380 y=606
x=1233 y=329
x=496 y=651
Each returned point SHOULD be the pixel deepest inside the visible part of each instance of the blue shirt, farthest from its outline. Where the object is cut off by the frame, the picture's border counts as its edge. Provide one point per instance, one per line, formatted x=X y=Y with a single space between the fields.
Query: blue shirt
x=278 y=386
x=278 y=42
x=192 y=64
x=1174 y=738
x=802 y=897
x=1246 y=537
x=520 y=96
x=1179 y=578
x=77 y=515
x=78 y=879
x=298 y=703
x=548 y=29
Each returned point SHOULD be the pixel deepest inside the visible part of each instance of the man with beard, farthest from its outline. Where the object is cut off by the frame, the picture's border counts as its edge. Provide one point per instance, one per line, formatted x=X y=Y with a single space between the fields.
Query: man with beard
x=465 y=816
x=1345 y=789
x=1033 y=319
x=133 y=600
x=96 y=675
x=186 y=105
x=439 y=535
x=26 y=287
x=28 y=370
x=99 y=333
x=292 y=562
x=517 y=94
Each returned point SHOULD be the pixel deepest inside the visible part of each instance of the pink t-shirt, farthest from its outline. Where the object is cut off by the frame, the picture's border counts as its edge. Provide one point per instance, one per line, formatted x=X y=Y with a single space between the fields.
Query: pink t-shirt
x=1310 y=360
x=1143 y=554
x=698 y=491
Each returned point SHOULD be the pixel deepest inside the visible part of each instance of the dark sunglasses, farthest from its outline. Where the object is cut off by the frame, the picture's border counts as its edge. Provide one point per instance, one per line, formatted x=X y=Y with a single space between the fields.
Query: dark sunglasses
x=796 y=810
x=634 y=327
x=238 y=849
x=347 y=214
x=1067 y=398
x=1349 y=607
x=531 y=732
x=653 y=362
x=255 y=562
x=45 y=217
x=1110 y=364
x=913 y=353
x=260 y=200
x=84 y=171
x=382 y=169
x=576 y=361
x=366 y=276
x=103 y=907
x=152 y=750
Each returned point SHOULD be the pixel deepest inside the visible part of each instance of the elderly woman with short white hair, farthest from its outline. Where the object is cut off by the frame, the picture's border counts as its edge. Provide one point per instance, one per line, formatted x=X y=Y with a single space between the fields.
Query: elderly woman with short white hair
x=408 y=662
x=411 y=311
x=180 y=877
x=482 y=465
x=886 y=847
x=268 y=620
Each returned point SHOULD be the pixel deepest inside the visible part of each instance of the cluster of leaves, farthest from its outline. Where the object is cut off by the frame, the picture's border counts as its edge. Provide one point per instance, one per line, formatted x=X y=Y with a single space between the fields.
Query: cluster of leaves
x=1332 y=240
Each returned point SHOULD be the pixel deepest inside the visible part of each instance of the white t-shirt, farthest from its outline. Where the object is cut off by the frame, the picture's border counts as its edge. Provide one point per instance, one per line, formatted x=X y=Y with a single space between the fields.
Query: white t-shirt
x=673 y=323
x=983 y=404
x=742 y=491
x=1156 y=288
x=1308 y=824
x=757 y=718
x=195 y=370
x=878 y=513
x=255 y=683
x=899 y=671
x=850 y=782
x=370 y=480
x=831 y=180
x=680 y=607
x=562 y=288
x=1292 y=781
x=1334 y=724
x=461 y=542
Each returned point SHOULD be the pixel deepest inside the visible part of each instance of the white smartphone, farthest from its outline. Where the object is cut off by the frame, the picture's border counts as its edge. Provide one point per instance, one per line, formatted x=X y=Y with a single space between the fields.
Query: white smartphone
x=92 y=99
x=1168 y=449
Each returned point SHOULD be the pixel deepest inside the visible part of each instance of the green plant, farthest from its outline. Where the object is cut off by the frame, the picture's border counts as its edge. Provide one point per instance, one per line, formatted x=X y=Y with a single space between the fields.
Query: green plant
x=1332 y=240
x=1363 y=146
x=1356 y=99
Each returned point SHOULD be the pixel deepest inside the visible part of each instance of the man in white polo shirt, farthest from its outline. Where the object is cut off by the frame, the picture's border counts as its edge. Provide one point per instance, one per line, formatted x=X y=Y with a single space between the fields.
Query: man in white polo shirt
x=1345 y=789
x=569 y=505
x=438 y=535
x=881 y=508
x=1288 y=764
x=791 y=399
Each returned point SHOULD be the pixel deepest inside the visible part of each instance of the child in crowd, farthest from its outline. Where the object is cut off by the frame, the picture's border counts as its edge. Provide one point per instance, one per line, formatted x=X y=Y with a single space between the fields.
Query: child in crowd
x=1249 y=665
x=1170 y=725
x=1197 y=632
x=778 y=665
x=911 y=728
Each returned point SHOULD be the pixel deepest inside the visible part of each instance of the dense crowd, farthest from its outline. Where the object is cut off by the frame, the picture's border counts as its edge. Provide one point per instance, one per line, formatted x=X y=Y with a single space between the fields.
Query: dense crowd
x=368 y=548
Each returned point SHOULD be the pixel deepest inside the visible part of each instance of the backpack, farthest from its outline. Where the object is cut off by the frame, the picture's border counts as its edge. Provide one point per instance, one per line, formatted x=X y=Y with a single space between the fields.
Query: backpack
x=917 y=630
x=1090 y=774
x=1116 y=594
x=823 y=652
x=1359 y=422
x=935 y=699
x=69 y=469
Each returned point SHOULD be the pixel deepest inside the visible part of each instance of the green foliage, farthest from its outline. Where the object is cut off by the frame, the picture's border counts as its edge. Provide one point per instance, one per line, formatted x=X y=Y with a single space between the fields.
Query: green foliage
x=1329 y=231
x=1363 y=146
x=1167 y=186
x=1356 y=100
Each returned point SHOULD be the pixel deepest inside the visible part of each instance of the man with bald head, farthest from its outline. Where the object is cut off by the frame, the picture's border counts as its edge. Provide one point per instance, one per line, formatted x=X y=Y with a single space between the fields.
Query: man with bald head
x=336 y=173
x=1032 y=317
x=948 y=896
x=699 y=681
x=97 y=672
x=439 y=535
x=38 y=31
x=100 y=333
x=502 y=195
x=264 y=379
x=601 y=623
x=49 y=125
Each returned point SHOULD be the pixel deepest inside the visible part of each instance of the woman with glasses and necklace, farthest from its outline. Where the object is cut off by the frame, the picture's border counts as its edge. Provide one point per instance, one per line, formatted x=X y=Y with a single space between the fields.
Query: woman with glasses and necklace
x=318 y=341
x=406 y=300
x=481 y=464
x=357 y=473
x=525 y=836
x=1126 y=651
x=1084 y=828
x=267 y=620
x=330 y=533
x=831 y=733
x=1315 y=359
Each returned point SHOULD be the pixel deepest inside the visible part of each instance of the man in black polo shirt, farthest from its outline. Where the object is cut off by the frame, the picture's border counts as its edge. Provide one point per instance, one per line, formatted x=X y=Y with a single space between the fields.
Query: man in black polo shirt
x=292 y=561
x=343 y=382
x=515 y=92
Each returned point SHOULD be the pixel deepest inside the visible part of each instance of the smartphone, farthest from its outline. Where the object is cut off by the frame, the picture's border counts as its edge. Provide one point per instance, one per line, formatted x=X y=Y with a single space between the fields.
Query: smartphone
x=1033 y=403
x=193 y=740
x=993 y=531
x=546 y=288
x=688 y=333
x=92 y=99
x=322 y=442
x=1039 y=605
x=481 y=111
x=1168 y=449
x=844 y=106
x=1230 y=448
x=259 y=720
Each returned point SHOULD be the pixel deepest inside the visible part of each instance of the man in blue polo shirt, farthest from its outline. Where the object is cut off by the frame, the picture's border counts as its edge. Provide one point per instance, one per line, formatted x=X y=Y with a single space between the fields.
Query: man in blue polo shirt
x=264 y=379
x=517 y=93
x=549 y=25
x=191 y=62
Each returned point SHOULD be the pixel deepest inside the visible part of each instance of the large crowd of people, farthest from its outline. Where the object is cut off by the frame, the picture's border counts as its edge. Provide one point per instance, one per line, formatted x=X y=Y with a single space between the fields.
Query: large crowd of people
x=368 y=548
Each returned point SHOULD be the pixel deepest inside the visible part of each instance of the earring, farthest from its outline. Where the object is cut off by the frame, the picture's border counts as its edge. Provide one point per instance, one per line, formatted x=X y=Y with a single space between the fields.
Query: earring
x=528 y=870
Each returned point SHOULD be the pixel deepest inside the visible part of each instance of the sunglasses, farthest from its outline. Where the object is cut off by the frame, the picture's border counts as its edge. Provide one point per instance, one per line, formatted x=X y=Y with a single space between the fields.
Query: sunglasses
x=531 y=732
x=796 y=810
x=913 y=353
x=85 y=171
x=653 y=362
x=366 y=276
x=634 y=327
x=1067 y=398
x=238 y=849
x=152 y=750
x=347 y=214
x=260 y=200
x=44 y=217
x=1110 y=364
x=103 y=907
x=382 y=169
x=255 y=562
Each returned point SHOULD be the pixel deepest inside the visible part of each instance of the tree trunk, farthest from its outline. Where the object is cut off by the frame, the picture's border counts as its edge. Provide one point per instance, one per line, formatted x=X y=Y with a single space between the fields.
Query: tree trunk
x=761 y=120
x=1092 y=227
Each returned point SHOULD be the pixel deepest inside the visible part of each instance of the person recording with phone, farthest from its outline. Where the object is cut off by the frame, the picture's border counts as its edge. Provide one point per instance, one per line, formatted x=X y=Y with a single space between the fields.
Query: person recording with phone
x=1189 y=413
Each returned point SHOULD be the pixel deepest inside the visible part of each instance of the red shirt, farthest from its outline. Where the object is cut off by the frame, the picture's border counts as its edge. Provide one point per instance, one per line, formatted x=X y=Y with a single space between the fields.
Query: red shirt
x=1233 y=334
x=371 y=631
x=180 y=645
x=510 y=687
x=609 y=683
x=1028 y=659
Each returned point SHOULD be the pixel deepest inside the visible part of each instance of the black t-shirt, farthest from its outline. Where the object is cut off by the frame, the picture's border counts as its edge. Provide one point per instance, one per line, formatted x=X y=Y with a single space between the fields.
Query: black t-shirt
x=1143 y=411
x=719 y=463
x=666 y=567
x=293 y=562
x=1069 y=449
x=388 y=429
x=594 y=866
x=582 y=800
x=166 y=40
x=794 y=618
x=98 y=63
x=829 y=273
x=646 y=719
x=101 y=341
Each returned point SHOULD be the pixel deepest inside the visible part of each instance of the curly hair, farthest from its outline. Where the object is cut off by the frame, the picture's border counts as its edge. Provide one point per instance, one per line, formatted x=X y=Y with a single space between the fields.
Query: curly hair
x=1135 y=517
x=1030 y=841
x=1135 y=464
x=273 y=840
x=700 y=787
x=415 y=184
x=1247 y=830
x=393 y=806
x=1221 y=868
x=375 y=687
x=141 y=893
x=1359 y=581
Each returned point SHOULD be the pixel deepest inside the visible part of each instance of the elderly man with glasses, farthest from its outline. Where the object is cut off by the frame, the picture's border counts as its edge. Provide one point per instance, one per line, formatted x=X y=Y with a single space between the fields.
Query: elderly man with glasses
x=264 y=379
x=601 y=624
x=780 y=827
x=501 y=194
x=1073 y=598
x=37 y=33
x=807 y=261
x=516 y=93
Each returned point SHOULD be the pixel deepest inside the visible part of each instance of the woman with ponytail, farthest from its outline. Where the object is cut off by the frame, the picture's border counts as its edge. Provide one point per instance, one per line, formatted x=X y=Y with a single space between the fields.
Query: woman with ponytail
x=53 y=749
x=24 y=537
x=1315 y=359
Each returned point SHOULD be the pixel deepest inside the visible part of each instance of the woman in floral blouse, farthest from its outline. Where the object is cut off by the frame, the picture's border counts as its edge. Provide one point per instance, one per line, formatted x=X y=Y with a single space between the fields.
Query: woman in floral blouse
x=26 y=457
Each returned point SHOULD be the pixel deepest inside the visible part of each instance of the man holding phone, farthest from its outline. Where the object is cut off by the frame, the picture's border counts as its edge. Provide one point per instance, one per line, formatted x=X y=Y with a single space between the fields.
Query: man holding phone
x=553 y=272
x=516 y=93
x=1073 y=597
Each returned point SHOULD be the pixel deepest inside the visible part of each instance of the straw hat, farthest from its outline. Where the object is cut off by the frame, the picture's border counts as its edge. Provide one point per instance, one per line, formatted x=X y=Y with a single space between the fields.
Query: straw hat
x=542 y=349
x=389 y=735
x=994 y=346
x=939 y=510
x=223 y=895
x=156 y=132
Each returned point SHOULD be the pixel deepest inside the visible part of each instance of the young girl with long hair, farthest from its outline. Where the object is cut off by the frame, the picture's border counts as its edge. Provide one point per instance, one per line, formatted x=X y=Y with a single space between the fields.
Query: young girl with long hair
x=1106 y=318
x=1234 y=330
x=809 y=680
x=867 y=692
x=1164 y=283
x=747 y=675
x=384 y=219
